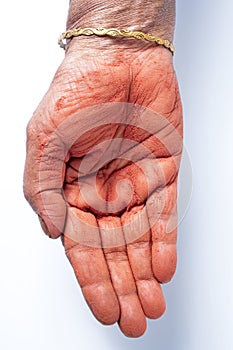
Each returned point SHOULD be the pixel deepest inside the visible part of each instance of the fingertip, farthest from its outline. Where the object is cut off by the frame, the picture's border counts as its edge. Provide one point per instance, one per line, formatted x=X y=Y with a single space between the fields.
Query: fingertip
x=102 y=302
x=49 y=229
x=164 y=260
x=152 y=298
x=132 y=320
x=52 y=212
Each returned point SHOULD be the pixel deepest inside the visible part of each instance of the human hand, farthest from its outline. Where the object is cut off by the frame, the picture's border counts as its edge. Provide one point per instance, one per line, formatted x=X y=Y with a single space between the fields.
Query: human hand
x=103 y=155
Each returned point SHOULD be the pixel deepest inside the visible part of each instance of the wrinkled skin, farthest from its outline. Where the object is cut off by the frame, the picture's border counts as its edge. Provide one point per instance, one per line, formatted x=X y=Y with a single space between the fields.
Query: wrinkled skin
x=121 y=277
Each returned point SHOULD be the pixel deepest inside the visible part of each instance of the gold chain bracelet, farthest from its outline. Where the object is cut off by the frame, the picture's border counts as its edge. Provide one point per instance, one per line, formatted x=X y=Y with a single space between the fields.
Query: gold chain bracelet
x=112 y=32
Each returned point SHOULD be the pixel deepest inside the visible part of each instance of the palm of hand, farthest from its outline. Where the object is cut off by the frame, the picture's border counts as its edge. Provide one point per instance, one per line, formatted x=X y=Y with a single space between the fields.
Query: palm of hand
x=119 y=182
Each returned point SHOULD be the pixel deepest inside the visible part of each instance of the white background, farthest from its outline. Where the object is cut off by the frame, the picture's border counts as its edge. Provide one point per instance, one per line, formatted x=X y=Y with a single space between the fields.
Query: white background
x=41 y=306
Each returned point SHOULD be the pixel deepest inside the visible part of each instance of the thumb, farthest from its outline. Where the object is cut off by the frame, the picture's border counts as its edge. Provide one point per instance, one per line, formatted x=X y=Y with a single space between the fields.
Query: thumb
x=43 y=178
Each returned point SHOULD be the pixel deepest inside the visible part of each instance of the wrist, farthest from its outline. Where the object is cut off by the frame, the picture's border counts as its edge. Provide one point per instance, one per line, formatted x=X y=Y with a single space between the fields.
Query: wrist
x=154 y=17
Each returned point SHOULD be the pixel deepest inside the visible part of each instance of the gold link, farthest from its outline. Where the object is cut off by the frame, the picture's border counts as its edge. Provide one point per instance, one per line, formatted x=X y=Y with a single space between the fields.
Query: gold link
x=113 y=32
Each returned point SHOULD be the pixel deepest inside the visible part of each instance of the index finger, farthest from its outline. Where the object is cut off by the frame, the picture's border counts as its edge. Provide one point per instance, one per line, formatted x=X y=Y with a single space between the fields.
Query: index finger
x=90 y=267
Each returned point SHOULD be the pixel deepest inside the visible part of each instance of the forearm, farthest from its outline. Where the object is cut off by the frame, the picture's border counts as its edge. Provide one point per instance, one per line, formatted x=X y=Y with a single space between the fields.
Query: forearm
x=153 y=16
